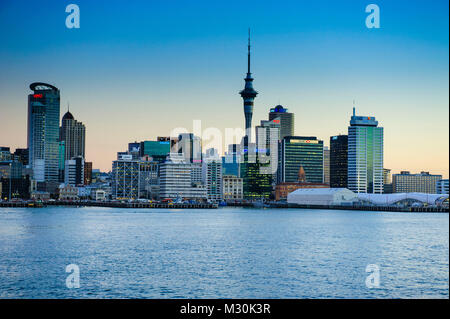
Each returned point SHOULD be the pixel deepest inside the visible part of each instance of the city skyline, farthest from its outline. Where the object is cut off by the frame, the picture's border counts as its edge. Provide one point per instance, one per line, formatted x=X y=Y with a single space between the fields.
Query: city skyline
x=399 y=77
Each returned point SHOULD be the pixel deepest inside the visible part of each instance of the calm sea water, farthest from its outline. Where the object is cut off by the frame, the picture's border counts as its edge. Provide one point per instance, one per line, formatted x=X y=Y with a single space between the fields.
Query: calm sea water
x=224 y=253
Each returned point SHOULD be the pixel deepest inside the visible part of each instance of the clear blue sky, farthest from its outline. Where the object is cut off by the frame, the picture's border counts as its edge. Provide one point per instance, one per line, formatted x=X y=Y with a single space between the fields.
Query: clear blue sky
x=137 y=69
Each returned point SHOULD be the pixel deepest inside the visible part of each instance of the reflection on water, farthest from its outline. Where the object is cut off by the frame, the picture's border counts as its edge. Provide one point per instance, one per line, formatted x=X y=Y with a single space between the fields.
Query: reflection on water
x=224 y=253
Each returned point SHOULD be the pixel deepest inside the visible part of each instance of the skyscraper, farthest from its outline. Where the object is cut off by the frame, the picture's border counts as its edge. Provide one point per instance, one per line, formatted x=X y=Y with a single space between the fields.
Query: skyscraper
x=365 y=155
x=191 y=147
x=73 y=133
x=296 y=151
x=286 y=120
x=248 y=95
x=338 y=161
x=267 y=138
x=43 y=132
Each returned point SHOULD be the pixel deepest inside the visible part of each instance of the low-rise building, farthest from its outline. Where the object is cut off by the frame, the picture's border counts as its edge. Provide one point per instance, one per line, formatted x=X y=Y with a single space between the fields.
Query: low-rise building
x=322 y=196
x=232 y=187
x=405 y=182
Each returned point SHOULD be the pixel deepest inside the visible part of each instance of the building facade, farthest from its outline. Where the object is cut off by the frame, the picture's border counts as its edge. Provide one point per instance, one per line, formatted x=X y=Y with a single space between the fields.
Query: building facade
x=286 y=120
x=338 y=161
x=178 y=180
x=212 y=177
x=405 y=182
x=232 y=188
x=73 y=133
x=267 y=139
x=43 y=131
x=326 y=165
x=297 y=151
x=74 y=171
x=365 y=155
x=442 y=186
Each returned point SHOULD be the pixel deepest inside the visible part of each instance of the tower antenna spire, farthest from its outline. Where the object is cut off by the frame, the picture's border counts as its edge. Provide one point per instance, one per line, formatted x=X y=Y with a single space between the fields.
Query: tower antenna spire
x=248 y=51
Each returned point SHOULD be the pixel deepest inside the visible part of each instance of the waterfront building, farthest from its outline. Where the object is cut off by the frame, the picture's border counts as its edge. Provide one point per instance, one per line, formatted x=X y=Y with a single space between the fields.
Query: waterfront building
x=212 y=178
x=20 y=187
x=326 y=165
x=74 y=171
x=68 y=192
x=283 y=189
x=322 y=196
x=232 y=188
x=365 y=155
x=296 y=151
x=338 y=161
x=134 y=179
x=73 y=133
x=248 y=94
x=405 y=182
x=286 y=120
x=177 y=180
x=442 y=186
x=43 y=132
x=11 y=169
x=257 y=179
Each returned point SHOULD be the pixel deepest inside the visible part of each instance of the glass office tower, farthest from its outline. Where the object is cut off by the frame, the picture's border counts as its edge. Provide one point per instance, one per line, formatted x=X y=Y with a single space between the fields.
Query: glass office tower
x=296 y=151
x=338 y=161
x=43 y=132
x=365 y=155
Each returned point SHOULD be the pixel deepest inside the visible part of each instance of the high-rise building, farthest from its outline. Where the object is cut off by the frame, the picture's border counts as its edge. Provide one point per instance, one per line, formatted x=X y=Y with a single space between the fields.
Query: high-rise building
x=365 y=155
x=442 y=186
x=248 y=94
x=256 y=184
x=212 y=178
x=286 y=120
x=267 y=138
x=177 y=180
x=405 y=182
x=338 y=161
x=190 y=146
x=133 y=179
x=43 y=132
x=73 y=133
x=74 y=171
x=296 y=151
x=326 y=165
x=231 y=160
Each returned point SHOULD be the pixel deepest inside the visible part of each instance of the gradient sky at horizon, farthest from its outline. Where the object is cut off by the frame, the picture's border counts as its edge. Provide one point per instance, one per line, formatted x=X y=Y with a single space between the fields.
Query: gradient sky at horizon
x=137 y=69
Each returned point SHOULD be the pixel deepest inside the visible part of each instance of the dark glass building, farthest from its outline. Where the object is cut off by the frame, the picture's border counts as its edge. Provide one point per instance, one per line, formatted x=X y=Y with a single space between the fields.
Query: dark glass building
x=286 y=120
x=257 y=184
x=296 y=151
x=338 y=161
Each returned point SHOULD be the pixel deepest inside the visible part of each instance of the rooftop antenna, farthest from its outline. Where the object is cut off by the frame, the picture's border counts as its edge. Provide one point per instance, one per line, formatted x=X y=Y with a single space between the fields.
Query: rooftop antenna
x=354 y=112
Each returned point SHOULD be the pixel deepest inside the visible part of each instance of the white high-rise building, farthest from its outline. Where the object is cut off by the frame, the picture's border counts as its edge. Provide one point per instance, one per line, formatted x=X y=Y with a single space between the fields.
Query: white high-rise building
x=212 y=175
x=442 y=186
x=365 y=155
x=267 y=138
x=178 y=179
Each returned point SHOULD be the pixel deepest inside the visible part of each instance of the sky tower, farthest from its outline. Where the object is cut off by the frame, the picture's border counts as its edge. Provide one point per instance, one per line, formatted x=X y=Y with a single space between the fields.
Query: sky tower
x=248 y=95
